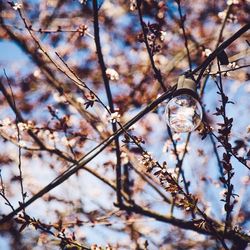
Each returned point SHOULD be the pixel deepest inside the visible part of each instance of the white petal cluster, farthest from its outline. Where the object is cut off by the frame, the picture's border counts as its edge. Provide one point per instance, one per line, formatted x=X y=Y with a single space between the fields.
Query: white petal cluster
x=207 y=52
x=230 y=2
x=82 y=1
x=17 y=6
x=163 y=35
x=114 y=117
x=112 y=74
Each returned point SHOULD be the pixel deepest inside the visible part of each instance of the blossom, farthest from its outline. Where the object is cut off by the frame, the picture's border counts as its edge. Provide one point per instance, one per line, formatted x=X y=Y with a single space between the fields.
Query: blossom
x=232 y=65
x=132 y=5
x=17 y=6
x=6 y=121
x=82 y=1
x=22 y=126
x=112 y=74
x=148 y=161
x=37 y=73
x=163 y=35
x=125 y=158
x=22 y=143
x=207 y=52
x=230 y=2
x=222 y=14
x=114 y=117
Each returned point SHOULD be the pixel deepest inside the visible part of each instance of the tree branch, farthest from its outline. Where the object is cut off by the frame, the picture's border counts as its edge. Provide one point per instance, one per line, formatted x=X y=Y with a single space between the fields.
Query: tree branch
x=110 y=100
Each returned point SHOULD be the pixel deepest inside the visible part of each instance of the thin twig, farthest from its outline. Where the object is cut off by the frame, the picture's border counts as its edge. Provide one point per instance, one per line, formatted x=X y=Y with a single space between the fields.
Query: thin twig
x=89 y=156
x=158 y=76
x=29 y=131
x=228 y=10
x=229 y=150
x=110 y=100
x=179 y=167
x=201 y=68
x=186 y=224
x=18 y=139
x=182 y=24
x=228 y=70
x=216 y=154
x=81 y=84
x=2 y=192
x=203 y=85
x=157 y=72
x=59 y=30
x=229 y=186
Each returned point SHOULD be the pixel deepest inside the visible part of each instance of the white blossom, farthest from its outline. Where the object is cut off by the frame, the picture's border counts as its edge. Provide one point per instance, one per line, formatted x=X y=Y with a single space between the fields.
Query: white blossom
x=124 y=157
x=112 y=74
x=132 y=5
x=82 y=1
x=230 y=2
x=22 y=143
x=232 y=18
x=222 y=14
x=207 y=52
x=22 y=126
x=171 y=171
x=6 y=121
x=114 y=117
x=163 y=35
x=37 y=73
x=17 y=6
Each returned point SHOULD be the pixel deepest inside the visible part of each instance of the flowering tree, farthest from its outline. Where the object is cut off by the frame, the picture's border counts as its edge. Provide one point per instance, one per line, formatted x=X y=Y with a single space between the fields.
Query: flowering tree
x=87 y=160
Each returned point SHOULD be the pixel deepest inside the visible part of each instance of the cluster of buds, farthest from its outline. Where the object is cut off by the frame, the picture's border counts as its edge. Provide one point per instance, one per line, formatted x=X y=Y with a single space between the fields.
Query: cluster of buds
x=155 y=37
x=82 y=29
x=168 y=179
x=8 y=129
x=148 y=161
